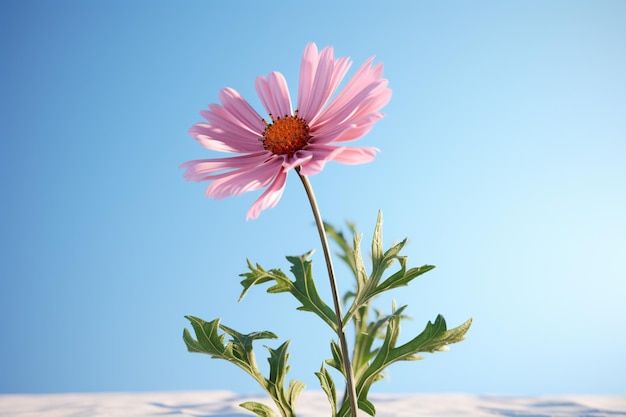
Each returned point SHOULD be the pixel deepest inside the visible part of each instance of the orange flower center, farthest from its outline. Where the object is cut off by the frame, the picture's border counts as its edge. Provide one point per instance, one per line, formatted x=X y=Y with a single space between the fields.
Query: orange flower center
x=285 y=135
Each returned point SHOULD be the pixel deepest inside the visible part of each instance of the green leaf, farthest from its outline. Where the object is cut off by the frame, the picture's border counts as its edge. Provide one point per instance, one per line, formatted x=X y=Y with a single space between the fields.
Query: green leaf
x=206 y=333
x=306 y=292
x=328 y=386
x=367 y=406
x=368 y=287
x=303 y=288
x=293 y=392
x=370 y=359
x=377 y=241
x=208 y=340
x=258 y=275
x=278 y=364
x=363 y=351
x=435 y=337
x=242 y=343
x=240 y=351
x=259 y=409
x=402 y=277
x=346 y=250
x=359 y=267
x=337 y=360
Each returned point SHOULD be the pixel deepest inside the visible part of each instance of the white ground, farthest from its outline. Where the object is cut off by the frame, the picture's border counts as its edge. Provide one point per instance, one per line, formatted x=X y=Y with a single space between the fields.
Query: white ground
x=311 y=404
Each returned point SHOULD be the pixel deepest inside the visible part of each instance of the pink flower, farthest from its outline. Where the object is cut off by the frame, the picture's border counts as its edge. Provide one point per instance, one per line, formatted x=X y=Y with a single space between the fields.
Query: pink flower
x=306 y=138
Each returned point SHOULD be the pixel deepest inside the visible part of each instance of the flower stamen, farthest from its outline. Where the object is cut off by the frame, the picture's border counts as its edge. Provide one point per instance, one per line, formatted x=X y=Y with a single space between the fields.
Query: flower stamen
x=285 y=135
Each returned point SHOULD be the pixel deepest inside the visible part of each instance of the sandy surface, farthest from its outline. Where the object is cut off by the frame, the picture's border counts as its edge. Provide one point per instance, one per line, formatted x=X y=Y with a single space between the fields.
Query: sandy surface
x=311 y=404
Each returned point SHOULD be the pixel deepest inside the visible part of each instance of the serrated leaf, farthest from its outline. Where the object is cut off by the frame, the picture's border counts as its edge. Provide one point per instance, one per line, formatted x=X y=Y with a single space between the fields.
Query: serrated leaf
x=258 y=275
x=359 y=266
x=328 y=386
x=363 y=351
x=278 y=364
x=294 y=390
x=247 y=339
x=306 y=292
x=259 y=409
x=302 y=288
x=240 y=351
x=337 y=360
x=402 y=277
x=339 y=239
x=368 y=287
x=377 y=241
x=434 y=337
x=191 y=343
x=367 y=406
x=207 y=338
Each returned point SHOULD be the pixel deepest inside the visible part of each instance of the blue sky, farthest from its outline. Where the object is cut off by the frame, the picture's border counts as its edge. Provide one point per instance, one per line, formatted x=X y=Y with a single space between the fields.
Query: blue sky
x=503 y=160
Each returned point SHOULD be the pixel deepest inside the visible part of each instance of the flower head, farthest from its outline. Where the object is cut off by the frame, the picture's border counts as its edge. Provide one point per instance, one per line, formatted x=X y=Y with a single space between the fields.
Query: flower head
x=305 y=138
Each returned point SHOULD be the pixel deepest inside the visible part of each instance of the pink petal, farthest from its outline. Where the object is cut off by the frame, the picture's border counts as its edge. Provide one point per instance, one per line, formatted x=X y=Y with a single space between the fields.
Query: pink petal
x=319 y=78
x=318 y=155
x=360 y=114
x=358 y=129
x=201 y=169
x=221 y=118
x=227 y=128
x=217 y=139
x=236 y=111
x=319 y=91
x=348 y=110
x=342 y=66
x=241 y=109
x=313 y=167
x=274 y=94
x=300 y=158
x=241 y=181
x=351 y=130
x=367 y=81
x=345 y=155
x=308 y=66
x=355 y=156
x=270 y=197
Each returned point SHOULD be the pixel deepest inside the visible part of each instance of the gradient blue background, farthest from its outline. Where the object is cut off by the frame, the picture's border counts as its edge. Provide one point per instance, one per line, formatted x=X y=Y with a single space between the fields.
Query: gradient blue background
x=503 y=159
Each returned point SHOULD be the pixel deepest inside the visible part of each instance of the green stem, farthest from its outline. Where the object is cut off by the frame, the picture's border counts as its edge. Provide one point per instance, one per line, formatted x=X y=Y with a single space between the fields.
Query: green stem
x=333 y=286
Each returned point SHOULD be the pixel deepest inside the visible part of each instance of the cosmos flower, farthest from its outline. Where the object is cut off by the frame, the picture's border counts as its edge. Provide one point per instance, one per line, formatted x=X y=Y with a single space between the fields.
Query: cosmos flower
x=305 y=138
